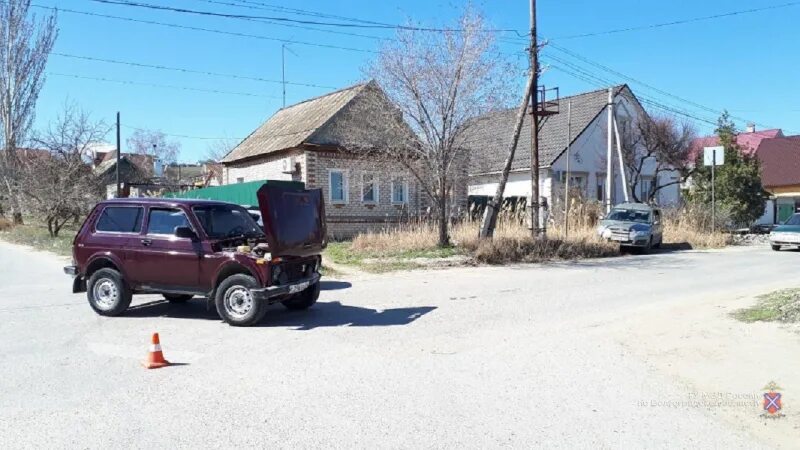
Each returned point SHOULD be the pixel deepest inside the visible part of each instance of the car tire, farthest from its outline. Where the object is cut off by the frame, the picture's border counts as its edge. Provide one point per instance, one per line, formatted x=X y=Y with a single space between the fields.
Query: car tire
x=235 y=305
x=777 y=248
x=178 y=298
x=303 y=300
x=658 y=244
x=108 y=293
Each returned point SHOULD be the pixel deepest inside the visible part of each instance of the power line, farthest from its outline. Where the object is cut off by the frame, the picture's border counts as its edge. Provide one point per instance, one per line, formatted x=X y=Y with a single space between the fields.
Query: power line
x=180 y=69
x=286 y=19
x=166 y=86
x=283 y=24
x=208 y=30
x=184 y=136
x=679 y=22
x=649 y=86
x=303 y=12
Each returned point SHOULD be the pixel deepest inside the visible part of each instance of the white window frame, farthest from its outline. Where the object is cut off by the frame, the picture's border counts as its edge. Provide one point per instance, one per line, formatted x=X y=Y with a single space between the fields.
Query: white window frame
x=345 y=187
x=375 y=189
x=405 y=190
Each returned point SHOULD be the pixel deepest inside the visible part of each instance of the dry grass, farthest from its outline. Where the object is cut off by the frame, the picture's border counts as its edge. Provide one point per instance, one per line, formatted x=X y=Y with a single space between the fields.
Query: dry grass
x=5 y=224
x=512 y=241
x=684 y=227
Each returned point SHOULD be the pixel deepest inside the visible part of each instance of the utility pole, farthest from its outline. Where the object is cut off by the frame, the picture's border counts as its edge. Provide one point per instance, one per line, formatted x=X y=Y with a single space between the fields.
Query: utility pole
x=609 y=150
x=713 y=191
x=119 y=151
x=566 y=183
x=534 y=125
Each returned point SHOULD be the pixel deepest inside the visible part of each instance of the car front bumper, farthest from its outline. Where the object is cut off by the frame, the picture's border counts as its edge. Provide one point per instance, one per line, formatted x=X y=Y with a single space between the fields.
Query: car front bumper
x=783 y=238
x=271 y=294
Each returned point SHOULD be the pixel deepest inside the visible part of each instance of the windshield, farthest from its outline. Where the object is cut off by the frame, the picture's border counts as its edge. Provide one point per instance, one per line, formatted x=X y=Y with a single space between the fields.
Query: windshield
x=794 y=220
x=225 y=221
x=629 y=215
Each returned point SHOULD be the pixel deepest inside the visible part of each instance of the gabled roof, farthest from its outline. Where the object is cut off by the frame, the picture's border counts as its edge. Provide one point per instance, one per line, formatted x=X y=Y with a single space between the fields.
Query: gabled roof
x=748 y=142
x=294 y=125
x=780 y=162
x=489 y=136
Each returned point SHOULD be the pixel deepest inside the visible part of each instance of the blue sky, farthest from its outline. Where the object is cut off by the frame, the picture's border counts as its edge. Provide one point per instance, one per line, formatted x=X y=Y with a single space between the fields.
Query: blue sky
x=746 y=63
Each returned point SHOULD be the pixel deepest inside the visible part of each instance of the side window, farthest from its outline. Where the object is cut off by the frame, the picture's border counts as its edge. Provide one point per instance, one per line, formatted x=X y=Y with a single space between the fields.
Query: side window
x=120 y=219
x=164 y=221
x=656 y=216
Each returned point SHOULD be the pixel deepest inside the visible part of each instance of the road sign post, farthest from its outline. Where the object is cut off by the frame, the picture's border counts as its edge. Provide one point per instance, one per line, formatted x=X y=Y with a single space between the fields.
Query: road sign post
x=713 y=156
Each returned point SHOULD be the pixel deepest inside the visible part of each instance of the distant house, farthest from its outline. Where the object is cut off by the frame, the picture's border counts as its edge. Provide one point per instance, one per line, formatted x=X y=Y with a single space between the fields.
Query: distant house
x=779 y=156
x=488 y=140
x=311 y=142
x=200 y=175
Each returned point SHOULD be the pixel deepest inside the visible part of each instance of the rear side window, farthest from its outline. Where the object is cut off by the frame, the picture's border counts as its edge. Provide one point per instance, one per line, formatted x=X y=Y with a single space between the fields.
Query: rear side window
x=164 y=221
x=120 y=219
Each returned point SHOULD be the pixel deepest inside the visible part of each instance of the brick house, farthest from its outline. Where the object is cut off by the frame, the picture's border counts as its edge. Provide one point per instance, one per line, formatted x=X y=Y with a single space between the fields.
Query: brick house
x=312 y=142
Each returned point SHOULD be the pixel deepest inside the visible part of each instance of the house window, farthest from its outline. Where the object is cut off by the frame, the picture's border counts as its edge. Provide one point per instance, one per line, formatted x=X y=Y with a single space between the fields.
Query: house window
x=645 y=188
x=399 y=190
x=369 y=188
x=337 y=184
x=601 y=187
x=577 y=182
x=240 y=180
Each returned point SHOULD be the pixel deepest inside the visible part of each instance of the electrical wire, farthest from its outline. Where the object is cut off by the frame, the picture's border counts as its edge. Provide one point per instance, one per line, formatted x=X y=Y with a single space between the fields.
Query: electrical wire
x=286 y=19
x=165 y=86
x=185 y=70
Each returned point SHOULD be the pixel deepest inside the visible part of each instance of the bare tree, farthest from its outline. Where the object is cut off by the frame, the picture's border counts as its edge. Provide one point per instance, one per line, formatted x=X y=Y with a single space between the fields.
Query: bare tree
x=657 y=145
x=58 y=183
x=25 y=45
x=153 y=143
x=439 y=81
x=217 y=149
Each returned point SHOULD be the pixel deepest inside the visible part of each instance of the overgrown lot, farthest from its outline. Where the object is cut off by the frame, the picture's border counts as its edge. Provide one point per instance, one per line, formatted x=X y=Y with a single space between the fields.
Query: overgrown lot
x=37 y=237
x=778 y=306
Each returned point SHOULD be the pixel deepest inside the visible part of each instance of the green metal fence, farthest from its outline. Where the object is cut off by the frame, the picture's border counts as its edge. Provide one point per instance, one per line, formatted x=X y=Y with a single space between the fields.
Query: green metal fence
x=240 y=193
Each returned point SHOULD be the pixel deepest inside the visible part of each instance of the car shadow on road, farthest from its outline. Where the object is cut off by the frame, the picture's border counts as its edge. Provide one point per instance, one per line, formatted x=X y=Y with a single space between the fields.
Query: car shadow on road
x=335 y=314
x=332 y=285
x=323 y=314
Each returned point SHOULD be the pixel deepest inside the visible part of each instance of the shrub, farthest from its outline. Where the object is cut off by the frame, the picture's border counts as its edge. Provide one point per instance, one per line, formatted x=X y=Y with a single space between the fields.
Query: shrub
x=5 y=224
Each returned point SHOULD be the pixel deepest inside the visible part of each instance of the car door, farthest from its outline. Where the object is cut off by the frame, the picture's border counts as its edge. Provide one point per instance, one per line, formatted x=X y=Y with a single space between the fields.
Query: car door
x=165 y=262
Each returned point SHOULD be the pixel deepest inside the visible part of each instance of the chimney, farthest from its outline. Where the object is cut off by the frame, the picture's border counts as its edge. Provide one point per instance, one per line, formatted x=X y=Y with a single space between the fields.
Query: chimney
x=751 y=127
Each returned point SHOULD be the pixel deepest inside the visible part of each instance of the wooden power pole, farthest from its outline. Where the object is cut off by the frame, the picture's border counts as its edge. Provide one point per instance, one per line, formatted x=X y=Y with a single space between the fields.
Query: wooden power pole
x=534 y=125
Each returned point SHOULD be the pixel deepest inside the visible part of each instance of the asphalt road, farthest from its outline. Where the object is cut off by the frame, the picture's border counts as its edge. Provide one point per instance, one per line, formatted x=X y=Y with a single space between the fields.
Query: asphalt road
x=461 y=358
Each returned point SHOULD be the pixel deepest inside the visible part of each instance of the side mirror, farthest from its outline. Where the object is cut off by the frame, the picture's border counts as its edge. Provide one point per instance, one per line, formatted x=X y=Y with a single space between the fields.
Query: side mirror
x=185 y=233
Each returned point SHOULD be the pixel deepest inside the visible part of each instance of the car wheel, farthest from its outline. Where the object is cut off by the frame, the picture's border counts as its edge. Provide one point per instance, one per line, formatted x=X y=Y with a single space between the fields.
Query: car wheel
x=303 y=300
x=235 y=304
x=108 y=293
x=178 y=298
x=777 y=248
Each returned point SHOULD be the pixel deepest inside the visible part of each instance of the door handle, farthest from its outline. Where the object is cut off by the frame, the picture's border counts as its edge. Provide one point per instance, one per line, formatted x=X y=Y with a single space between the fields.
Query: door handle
x=146 y=242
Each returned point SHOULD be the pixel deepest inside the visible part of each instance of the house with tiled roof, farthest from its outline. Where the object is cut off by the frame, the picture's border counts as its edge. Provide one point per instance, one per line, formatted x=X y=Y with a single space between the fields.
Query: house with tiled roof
x=779 y=156
x=312 y=142
x=488 y=139
x=780 y=176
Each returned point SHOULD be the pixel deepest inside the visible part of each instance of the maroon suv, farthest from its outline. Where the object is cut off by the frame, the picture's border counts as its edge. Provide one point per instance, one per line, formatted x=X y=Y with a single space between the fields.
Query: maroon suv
x=183 y=248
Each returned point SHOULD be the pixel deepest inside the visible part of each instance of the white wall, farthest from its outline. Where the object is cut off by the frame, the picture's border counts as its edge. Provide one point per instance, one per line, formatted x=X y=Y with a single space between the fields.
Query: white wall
x=518 y=185
x=269 y=167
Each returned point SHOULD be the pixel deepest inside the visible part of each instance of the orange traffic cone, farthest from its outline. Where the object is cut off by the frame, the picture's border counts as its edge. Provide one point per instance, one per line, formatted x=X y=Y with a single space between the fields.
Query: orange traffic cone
x=155 y=358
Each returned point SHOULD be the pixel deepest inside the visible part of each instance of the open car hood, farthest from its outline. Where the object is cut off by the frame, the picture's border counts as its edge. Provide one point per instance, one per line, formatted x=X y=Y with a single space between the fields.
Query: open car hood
x=294 y=218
